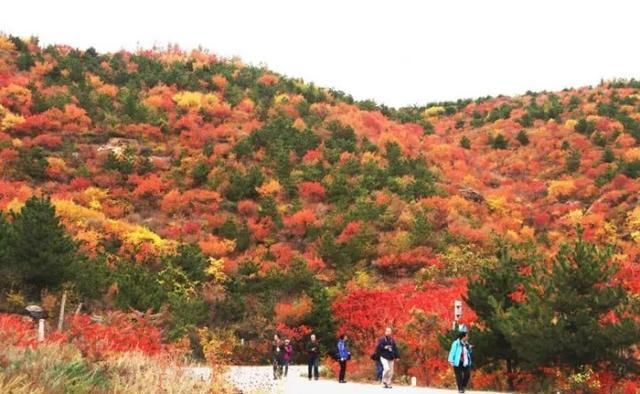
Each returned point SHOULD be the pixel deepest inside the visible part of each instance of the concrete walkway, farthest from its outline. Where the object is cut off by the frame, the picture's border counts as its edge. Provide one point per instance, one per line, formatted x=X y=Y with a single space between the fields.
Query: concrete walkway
x=254 y=380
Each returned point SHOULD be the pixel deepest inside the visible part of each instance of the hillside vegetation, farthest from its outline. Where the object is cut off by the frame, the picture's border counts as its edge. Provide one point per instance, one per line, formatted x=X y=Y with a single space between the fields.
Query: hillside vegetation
x=223 y=195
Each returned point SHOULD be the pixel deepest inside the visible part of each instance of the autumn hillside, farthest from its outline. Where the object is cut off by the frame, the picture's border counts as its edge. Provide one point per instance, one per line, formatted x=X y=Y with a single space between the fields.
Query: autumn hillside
x=227 y=195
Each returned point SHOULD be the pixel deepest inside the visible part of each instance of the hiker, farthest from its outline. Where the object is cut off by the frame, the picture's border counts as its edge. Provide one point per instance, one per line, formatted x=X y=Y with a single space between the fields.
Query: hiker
x=460 y=359
x=378 y=365
x=287 y=356
x=277 y=357
x=343 y=356
x=313 y=354
x=388 y=352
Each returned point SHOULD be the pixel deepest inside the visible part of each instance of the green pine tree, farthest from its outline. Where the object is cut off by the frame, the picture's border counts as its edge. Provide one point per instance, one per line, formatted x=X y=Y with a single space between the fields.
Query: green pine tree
x=39 y=247
x=494 y=286
x=572 y=161
x=200 y=172
x=608 y=156
x=7 y=273
x=523 y=137
x=575 y=316
x=465 y=142
x=499 y=142
x=320 y=319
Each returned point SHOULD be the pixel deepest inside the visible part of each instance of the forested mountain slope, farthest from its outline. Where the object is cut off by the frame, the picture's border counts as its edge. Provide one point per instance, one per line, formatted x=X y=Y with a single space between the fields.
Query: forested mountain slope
x=228 y=195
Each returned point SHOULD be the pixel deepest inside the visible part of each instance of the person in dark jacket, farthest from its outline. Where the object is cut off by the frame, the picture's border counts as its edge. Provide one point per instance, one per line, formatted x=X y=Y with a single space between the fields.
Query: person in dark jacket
x=287 y=356
x=277 y=357
x=343 y=356
x=375 y=357
x=460 y=359
x=313 y=354
x=388 y=352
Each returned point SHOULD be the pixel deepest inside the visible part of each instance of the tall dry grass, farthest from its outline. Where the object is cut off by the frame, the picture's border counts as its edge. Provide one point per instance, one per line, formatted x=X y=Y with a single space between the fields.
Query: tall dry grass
x=60 y=368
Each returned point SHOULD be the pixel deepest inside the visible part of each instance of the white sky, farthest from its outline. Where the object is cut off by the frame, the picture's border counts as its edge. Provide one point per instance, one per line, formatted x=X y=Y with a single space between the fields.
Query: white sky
x=397 y=52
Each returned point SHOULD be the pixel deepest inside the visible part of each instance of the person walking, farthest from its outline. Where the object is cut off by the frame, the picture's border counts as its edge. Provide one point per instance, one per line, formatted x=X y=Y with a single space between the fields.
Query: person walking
x=343 y=356
x=375 y=357
x=460 y=359
x=277 y=357
x=388 y=352
x=313 y=356
x=287 y=355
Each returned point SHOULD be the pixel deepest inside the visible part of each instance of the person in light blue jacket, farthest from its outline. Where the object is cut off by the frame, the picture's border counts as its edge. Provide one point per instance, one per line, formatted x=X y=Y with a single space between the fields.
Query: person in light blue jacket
x=460 y=359
x=343 y=356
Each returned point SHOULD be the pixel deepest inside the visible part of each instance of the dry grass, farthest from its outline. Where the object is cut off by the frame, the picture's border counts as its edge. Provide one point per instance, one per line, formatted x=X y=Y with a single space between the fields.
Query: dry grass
x=60 y=368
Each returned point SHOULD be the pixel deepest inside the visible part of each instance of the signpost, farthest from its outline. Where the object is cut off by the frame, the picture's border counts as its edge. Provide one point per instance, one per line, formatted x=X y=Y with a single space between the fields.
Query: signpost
x=457 y=312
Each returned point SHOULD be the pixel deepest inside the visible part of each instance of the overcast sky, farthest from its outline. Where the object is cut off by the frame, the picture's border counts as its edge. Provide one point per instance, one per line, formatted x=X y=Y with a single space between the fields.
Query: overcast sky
x=396 y=52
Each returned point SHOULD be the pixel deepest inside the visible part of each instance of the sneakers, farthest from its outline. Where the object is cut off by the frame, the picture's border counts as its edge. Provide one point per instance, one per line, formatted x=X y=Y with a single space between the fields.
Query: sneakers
x=386 y=386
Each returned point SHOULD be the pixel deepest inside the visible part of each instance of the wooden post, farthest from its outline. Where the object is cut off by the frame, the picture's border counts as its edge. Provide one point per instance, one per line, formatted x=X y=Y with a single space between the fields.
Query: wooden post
x=61 y=317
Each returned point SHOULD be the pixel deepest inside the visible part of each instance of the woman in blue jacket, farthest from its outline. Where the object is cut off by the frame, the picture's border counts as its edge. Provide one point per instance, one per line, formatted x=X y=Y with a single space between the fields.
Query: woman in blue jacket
x=343 y=356
x=460 y=359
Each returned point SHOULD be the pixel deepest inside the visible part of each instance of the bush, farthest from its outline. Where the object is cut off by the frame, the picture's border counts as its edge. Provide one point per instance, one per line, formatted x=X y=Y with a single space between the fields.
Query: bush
x=465 y=143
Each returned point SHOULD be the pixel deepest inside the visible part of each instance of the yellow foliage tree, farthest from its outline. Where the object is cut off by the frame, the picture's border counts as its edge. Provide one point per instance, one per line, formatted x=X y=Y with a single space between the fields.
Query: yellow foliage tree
x=633 y=223
x=270 y=188
x=9 y=120
x=216 y=270
x=433 y=112
x=561 y=188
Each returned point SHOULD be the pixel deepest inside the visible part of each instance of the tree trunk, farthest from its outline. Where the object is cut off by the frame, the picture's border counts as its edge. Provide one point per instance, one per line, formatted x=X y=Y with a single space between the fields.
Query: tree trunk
x=510 y=375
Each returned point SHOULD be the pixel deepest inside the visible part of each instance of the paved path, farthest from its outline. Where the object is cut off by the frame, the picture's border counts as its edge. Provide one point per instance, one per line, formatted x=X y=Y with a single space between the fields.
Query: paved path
x=254 y=380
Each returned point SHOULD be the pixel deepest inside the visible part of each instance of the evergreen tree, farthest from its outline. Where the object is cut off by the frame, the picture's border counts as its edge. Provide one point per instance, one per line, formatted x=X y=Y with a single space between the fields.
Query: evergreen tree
x=190 y=259
x=4 y=236
x=585 y=127
x=199 y=173
x=320 y=319
x=138 y=288
x=40 y=249
x=608 y=156
x=572 y=161
x=465 y=143
x=575 y=315
x=421 y=230
x=32 y=162
x=523 y=137
x=6 y=270
x=495 y=286
x=498 y=142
